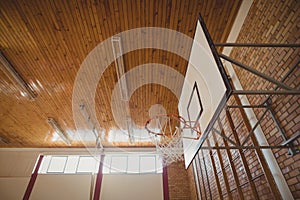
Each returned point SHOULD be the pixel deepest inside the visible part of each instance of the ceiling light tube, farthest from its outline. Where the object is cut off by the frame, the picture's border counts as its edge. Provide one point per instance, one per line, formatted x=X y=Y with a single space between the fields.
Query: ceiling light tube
x=120 y=68
x=130 y=130
x=59 y=131
x=16 y=78
x=91 y=126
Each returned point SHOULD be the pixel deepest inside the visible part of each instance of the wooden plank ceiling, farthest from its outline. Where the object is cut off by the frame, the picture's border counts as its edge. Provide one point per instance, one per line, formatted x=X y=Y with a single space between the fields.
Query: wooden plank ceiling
x=47 y=41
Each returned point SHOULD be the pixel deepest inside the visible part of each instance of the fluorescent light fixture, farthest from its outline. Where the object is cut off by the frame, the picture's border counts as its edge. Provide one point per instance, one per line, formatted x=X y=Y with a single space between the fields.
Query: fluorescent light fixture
x=16 y=78
x=59 y=131
x=4 y=141
x=130 y=130
x=91 y=126
x=120 y=68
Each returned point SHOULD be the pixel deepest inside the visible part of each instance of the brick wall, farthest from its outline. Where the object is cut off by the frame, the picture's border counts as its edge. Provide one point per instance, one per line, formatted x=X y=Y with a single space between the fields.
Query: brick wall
x=275 y=22
x=223 y=174
x=192 y=185
x=179 y=184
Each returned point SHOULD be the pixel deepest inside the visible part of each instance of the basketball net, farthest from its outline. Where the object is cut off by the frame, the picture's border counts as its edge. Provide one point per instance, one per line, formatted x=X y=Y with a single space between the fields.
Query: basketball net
x=166 y=135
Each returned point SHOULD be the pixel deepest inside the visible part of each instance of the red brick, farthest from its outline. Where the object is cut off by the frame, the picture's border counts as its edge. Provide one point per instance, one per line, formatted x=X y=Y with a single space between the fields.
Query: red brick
x=269 y=22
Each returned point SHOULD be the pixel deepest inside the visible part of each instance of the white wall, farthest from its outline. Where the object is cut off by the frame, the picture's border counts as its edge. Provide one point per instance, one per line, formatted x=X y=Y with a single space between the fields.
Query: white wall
x=133 y=187
x=15 y=172
x=13 y=188
x=16 y=166
x=64 y=187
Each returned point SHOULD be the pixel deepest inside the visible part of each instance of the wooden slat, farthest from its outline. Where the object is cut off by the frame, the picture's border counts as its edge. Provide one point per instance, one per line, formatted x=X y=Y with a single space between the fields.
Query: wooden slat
x=47 y=41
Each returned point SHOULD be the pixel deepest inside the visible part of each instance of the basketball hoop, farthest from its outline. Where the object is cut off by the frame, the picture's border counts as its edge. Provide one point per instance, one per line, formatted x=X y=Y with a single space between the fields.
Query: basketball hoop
x=166 y=133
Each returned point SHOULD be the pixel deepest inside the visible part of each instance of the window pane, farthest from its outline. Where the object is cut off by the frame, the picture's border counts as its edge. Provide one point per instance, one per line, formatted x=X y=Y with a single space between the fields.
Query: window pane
x=57 y=164
x=106 y=164
x=45 y=164
x=147 y=164
x=71 y=164
x=118 y=164
x=133 y=164
x=86 y=164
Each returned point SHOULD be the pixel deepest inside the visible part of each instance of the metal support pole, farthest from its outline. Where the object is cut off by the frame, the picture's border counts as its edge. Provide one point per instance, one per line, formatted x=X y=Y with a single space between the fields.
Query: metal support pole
x=215 y=171
x=242 y=155
x=254 y=71
x=254 y=127
x=289 y=72
x=227 y=186
x=259 y=153
x=224 y=136
x=231 y=164
x=202 y=177
x=294 y=137
x=266 y=92
x=245 y=147
x=33 y=178
x=256 y=45
x=247 y=106
x=280 y=129
x=196 y=179
x=206 y=174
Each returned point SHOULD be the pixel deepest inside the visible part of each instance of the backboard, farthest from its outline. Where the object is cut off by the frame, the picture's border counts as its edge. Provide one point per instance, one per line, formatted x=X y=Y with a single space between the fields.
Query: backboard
x=205 y=91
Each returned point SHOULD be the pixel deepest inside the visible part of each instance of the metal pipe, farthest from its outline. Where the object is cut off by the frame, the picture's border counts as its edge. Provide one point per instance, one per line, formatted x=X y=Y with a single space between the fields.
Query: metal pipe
x=247 y=106
x=224 y=136
x=280 y=129
x=254 y=127
x=294 y=137
x=254 y=71
x=202 y=177
x=289 y=72
x=207 y=179
x=226 y=181
x=256 y=45
x=215 y=171
x=241 y=155
x=196 y=179
x=245 y=147
x=231 y=164
x=266 y=92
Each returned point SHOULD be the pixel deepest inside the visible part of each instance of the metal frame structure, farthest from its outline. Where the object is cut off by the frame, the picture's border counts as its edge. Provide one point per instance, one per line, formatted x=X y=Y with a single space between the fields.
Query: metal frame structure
x=213 y=145
x=267 y=104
